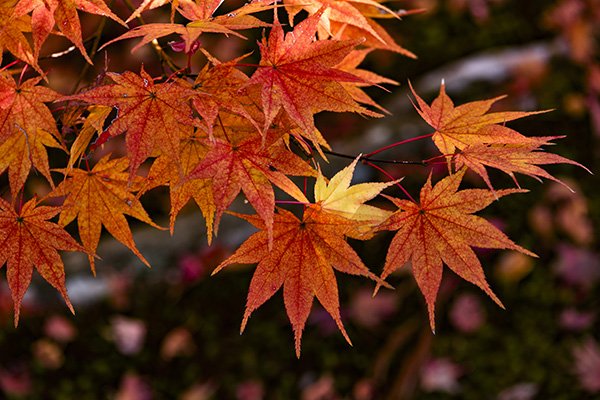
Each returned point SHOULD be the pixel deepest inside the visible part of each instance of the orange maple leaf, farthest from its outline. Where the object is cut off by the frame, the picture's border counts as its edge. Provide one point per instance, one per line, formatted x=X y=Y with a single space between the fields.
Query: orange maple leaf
x=92 y=125
x=27 y=127
x=352 y=19
x=304 y=254
x=100 y=197
x=202 y=21
x=152 y=114
x=197 y=9
x=28 y=239
x=350 y=32
x=340 y=11
x=201 y=11
x=248 y=163
x=218 y=88
x=11 y=34
x=511 y=158
x=298 y=74
x=193 y=149
x=470 y=123
x=61 y=13
x=472 y=137
x=350 y=64
x=441 y=230
x=145 y=6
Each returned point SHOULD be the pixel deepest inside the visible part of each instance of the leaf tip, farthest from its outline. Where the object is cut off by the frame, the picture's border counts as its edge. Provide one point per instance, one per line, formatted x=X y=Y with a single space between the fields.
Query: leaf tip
x=493 y=296
x=526 y=252
x=431 y=312
x=342 y=329
x=68 y=302
x=243 y=325
x=218 y=269
x=17 y=313
x=92 y=265
x=376 y=290
x=298 y=340
x=534 y=255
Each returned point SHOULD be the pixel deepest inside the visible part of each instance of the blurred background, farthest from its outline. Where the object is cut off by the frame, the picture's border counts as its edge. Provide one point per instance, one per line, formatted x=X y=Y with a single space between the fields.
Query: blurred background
x=173 y=332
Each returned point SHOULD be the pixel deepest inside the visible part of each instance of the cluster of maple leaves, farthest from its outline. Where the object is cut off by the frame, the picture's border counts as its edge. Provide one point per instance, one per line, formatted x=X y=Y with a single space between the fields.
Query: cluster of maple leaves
x=214 y=134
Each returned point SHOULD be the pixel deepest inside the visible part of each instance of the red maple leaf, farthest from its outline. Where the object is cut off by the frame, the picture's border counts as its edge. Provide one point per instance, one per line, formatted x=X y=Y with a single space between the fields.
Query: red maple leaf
x=441 y=229
x=244 y=161
x=27 y=127
x=202 y=20
x=304 y=255
x=12 y=36
x=153 y=115
x=471 y=136
x=45 y=14
x=298 y=74
x=101 y=197
x=28 y=239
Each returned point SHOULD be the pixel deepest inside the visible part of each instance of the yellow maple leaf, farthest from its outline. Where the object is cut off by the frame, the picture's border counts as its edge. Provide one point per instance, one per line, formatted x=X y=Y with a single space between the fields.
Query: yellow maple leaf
x=339 y=197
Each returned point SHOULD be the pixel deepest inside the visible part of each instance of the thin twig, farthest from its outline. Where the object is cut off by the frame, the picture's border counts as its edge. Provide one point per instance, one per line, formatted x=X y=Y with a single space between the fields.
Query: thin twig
x=97 y=36
x=390 y=146
x=364 y=158
x=384 y=172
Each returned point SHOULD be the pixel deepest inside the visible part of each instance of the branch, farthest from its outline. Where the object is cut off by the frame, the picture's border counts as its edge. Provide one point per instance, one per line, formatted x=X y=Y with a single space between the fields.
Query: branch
x=365 y=158
x=97 y=36
x=400 y=143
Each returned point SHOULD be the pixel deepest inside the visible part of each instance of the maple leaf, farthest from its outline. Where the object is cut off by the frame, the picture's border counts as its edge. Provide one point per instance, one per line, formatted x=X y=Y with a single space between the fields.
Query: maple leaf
x=193 y=148
x=297 y=74
x=341 y=11
x=92 y=125
x=21 y=152
x=152 y=114
x=153 y=31
x=350 y=65
x=471 y=136
x=201 y=11
x=28 y=239
x=22 y=106
x=101 y=197
x=62 y=13
x=219 y=88
x=441 y=230
x=511 y=158
x=145 y=6
x=383 y=40
x=11 y=34
x=27 y=127
x=198 y=9
x=470 y=123
x=202 y=21
x=339 y=197
x=247 y=163
x=303 y=257
x=351 y=19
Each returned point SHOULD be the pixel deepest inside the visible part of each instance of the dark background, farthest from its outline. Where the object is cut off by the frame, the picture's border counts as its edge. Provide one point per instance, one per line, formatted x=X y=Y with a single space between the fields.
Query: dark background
x=173 y=332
